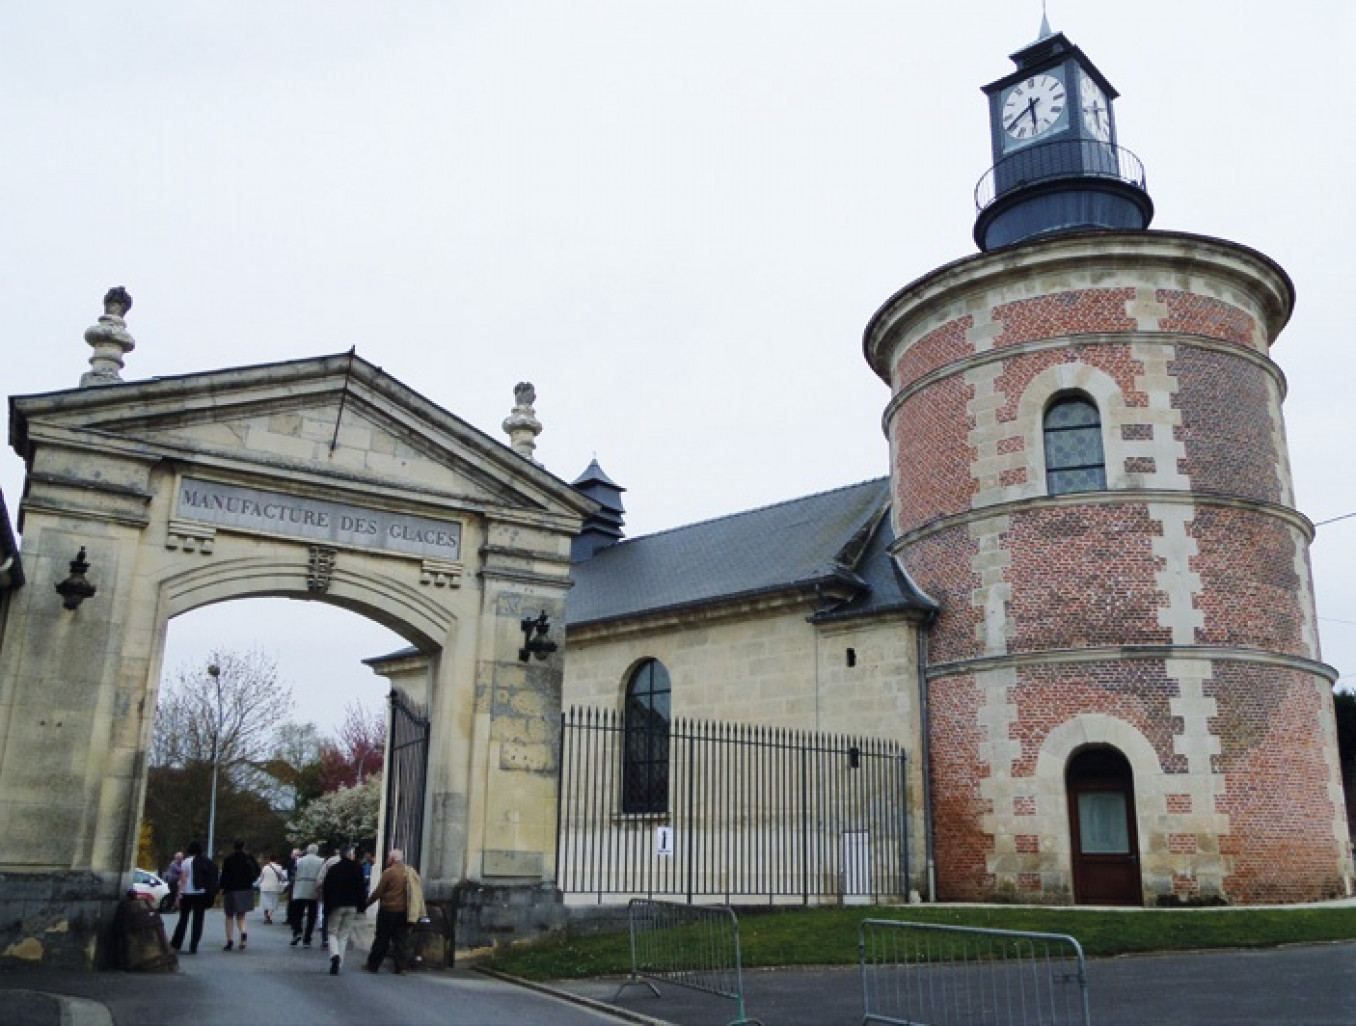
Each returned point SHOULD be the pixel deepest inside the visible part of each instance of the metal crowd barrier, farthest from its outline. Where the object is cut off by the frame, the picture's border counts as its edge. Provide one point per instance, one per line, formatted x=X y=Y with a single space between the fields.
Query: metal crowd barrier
x=916 y=974
x=693 y=946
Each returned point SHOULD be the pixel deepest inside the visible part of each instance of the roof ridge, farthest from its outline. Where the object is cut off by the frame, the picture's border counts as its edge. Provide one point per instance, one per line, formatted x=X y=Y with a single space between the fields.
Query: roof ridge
x=755 y=509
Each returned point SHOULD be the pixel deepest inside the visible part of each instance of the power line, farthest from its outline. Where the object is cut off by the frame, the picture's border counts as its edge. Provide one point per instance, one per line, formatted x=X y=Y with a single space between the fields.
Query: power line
x=1344 y=516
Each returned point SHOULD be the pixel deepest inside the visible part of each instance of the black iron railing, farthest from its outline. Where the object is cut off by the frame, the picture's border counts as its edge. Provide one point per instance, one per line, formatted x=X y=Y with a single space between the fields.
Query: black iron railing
x=751 y=812
x=1067 y=158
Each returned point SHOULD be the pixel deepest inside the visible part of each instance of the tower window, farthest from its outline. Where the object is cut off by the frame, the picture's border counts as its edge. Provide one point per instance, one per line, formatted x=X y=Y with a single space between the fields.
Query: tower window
x=852 y=657
x=645 y=742
x=1073 y=447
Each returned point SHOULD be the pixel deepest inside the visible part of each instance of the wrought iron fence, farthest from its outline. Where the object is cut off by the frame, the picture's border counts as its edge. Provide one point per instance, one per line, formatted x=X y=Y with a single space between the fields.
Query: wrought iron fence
x=917 y=974
x=751 y=812
x=406 y=776
x=691 y=946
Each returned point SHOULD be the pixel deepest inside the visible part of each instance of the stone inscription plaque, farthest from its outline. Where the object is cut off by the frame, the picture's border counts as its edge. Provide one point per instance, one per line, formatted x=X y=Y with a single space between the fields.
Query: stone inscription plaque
x=251 y=509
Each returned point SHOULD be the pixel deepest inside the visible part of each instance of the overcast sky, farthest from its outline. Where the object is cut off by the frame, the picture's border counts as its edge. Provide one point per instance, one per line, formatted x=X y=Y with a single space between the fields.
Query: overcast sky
x=674 y=218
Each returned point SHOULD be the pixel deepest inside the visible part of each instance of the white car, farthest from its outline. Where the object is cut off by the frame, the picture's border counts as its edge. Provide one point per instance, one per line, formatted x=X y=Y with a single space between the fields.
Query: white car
x=151 y=889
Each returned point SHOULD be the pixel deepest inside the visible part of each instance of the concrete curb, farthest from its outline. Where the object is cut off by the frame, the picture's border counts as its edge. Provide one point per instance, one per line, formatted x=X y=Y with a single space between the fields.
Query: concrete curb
x=56 y=1009
x=575 y=999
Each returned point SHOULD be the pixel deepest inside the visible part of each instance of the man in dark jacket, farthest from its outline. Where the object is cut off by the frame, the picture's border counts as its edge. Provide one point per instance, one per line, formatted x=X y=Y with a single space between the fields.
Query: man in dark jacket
x=345 y=895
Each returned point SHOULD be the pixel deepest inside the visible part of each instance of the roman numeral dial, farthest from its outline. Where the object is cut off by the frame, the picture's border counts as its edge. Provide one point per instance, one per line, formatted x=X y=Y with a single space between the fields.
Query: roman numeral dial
x=1096 y=109
x=1033 y=107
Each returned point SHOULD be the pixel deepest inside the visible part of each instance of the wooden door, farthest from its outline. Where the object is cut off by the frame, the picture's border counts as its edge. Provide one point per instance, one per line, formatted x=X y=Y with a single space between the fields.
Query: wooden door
x=1101 y=791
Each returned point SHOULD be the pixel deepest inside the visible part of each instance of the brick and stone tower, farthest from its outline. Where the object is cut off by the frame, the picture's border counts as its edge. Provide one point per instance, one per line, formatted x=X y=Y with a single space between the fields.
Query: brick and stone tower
x=1125 y=698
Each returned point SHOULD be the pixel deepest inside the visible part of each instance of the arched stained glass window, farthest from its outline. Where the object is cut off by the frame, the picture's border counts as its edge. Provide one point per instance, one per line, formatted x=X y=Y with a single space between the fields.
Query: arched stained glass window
x=645 y=758
x=1073 y=447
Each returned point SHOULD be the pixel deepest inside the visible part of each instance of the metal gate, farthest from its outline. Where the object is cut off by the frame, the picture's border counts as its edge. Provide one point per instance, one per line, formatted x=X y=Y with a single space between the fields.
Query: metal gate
x=749 y=812
x=406 y=776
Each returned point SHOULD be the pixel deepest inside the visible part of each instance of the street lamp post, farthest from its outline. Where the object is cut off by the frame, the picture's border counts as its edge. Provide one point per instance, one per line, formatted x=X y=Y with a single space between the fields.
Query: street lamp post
x=214 y=671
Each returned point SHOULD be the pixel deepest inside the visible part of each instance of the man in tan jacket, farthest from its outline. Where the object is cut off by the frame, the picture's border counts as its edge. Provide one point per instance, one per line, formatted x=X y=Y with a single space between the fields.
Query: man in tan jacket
x=399 y=895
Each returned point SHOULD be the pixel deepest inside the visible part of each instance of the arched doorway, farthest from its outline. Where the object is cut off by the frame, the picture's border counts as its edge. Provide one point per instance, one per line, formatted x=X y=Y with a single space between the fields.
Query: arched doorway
x=1105 y=842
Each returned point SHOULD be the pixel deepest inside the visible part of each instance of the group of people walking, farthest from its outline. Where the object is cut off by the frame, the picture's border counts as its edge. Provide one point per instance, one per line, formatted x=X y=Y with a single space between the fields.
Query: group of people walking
x=331 y=891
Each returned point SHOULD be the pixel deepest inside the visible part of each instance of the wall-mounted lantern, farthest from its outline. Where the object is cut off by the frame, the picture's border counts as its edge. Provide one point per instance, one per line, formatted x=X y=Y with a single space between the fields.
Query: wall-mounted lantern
x=535 y=642
x=75 y=589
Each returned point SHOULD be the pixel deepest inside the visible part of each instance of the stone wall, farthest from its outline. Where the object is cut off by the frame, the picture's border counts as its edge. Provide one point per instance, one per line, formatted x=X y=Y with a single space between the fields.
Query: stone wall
x=769 y=666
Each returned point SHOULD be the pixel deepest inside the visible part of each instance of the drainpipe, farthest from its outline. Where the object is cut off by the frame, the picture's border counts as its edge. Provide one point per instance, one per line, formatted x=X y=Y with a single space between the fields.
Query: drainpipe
x=925 y=714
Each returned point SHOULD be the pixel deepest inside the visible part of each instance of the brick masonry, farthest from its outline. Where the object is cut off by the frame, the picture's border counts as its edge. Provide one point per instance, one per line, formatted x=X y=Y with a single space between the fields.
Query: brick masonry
x=1169 y=616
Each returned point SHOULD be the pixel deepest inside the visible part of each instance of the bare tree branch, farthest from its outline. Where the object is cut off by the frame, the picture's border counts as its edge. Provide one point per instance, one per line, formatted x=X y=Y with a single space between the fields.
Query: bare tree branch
x=228 y=717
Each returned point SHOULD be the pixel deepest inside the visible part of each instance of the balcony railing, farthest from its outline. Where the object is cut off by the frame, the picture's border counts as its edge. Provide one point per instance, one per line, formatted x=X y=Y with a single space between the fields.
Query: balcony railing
x=1067 y=158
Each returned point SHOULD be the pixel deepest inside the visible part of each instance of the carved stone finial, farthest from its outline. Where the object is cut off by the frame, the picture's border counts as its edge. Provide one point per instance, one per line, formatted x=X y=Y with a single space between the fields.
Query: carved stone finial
x=117 y=301
x=109 y=339
x=522 y=425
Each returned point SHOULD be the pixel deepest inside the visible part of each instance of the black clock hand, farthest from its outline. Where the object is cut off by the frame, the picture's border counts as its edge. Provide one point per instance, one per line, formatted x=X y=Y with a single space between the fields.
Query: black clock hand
x=1030 y=109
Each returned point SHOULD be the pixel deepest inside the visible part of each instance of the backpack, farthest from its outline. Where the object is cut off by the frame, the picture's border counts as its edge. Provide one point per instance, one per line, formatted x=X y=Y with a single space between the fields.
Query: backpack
x=205 y=874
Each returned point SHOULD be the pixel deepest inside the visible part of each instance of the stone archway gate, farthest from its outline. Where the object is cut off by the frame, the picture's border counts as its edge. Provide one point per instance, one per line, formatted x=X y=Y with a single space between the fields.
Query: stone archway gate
x=320 y=479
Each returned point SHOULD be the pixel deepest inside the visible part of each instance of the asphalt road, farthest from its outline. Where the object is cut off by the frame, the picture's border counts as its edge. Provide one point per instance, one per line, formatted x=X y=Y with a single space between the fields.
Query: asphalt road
x=1310 y=985
x=274 y=984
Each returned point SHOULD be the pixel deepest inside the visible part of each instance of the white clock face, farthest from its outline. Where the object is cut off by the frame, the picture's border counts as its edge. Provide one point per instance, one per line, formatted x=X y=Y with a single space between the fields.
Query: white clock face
x=1096 y=109
x=1032 y=107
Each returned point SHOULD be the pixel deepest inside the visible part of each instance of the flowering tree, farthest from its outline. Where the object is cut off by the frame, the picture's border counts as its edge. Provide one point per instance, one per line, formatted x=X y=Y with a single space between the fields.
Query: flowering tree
x=345 y=816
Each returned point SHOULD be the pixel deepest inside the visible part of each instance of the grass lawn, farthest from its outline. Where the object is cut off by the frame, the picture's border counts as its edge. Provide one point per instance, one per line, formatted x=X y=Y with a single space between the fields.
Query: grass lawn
x=828 y=936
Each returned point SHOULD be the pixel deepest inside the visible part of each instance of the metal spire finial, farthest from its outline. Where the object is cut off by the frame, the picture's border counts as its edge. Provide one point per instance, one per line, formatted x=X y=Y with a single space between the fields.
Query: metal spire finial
x=1045 y=23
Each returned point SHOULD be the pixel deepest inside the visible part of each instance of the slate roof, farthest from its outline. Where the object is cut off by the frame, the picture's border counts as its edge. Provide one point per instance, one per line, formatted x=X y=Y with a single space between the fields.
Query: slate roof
x=11 y=568
x=839 y=537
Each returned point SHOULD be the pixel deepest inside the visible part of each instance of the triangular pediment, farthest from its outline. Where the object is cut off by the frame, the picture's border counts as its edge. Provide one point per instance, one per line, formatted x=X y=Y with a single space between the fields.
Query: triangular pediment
x=336 y=423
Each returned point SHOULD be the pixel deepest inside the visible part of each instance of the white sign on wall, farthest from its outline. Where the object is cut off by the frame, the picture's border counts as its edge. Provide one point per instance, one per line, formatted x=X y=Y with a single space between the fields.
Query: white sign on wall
x=663 y=841
x=335 y=523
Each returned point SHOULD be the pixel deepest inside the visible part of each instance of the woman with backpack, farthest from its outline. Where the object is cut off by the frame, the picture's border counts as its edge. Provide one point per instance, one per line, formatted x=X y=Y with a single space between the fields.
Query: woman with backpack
x=198 y=888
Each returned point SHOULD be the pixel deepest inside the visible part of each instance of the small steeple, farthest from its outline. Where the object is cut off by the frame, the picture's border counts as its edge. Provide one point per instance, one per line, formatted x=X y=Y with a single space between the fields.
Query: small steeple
x=110 y=340
x=605 y=528
x=522 y=425
x=1045 y=32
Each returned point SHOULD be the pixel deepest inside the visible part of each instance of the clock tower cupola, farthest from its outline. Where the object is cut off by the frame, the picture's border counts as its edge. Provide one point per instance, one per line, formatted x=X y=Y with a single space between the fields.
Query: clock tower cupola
x=1057 y=164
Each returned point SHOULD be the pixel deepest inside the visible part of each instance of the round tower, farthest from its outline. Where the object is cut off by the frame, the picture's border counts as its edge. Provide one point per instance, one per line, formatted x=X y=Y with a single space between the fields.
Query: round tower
x=1126 y=702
